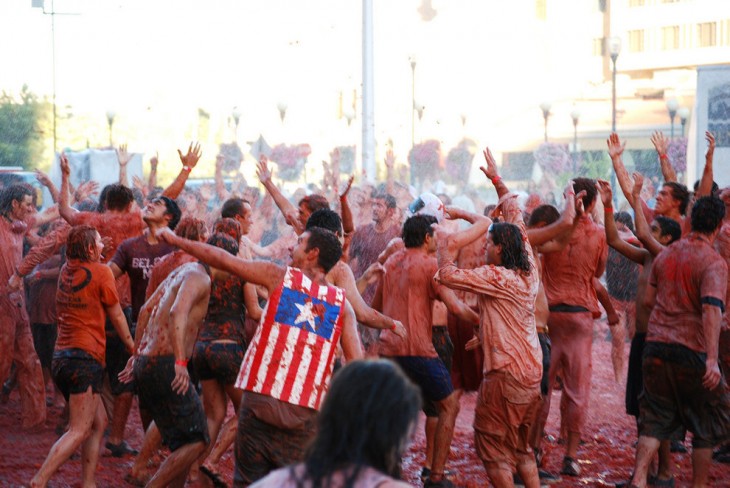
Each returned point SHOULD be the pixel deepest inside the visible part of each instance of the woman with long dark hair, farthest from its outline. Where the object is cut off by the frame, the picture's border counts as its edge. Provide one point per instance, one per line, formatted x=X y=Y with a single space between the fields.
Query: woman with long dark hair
x=364 y=426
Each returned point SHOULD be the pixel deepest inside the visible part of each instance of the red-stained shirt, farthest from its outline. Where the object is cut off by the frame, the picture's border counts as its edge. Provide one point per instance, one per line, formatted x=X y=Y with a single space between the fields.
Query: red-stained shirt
x=409 y=289
x=84 y=291
x=684 y=274
x=568 y=274
x=722 y=246
x=506 y=308
x=366 y=245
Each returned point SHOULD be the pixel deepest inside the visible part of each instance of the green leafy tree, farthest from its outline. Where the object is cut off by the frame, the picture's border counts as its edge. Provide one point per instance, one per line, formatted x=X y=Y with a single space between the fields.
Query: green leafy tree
x=21 y=118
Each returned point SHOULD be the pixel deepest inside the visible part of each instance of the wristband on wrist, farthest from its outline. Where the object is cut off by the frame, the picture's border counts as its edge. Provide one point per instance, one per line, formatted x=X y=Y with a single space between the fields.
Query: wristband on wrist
x=392 y=327
x=187 y=168
x=181 y=362
x=663 y=156
x=496 y=179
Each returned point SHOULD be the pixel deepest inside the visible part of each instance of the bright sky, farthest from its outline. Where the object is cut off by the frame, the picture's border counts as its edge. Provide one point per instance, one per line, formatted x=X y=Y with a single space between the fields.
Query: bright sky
x=156 y=62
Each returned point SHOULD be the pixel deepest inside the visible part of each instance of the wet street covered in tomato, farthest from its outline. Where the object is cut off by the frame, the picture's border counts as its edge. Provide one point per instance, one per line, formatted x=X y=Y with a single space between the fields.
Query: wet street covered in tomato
x=606 y=455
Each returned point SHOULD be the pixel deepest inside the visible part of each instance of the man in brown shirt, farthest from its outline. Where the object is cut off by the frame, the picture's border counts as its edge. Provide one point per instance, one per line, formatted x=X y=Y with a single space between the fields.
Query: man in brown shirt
x=683 y=386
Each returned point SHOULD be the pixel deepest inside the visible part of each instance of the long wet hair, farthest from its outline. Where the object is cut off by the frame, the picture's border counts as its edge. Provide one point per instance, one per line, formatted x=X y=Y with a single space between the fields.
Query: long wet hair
x=366 y=420
x=81 y=243
x=514 y=253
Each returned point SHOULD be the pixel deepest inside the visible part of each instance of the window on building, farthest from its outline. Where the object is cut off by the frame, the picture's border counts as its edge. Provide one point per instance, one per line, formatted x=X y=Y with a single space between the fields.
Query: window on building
x=636 y=40
x=707 y=34
x=671 y=1
x=670 y=37
x=636 y=3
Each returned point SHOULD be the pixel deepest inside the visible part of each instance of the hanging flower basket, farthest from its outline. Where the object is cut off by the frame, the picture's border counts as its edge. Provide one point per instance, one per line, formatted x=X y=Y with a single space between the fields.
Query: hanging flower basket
x=425 y=159
x=553 y=158
x=290 y=159
x=459 y=160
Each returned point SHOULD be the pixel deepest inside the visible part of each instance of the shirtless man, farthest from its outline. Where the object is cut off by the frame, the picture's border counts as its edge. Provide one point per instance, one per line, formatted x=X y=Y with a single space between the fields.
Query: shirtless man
x=166 y=332
x=406 y=293
x=568 y=276
x=16 y=341
x=288 y=365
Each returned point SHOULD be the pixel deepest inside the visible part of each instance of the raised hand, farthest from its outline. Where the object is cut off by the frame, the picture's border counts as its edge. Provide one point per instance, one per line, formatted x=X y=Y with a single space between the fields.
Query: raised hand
x=263 y=171
x=661 y=143
x=165 y=234
x=389 y=159
x=615 y=148
x=710 y=144
x=63 y=161
x=490 y=170
x=86 y=189
x=192 y=157
x=122 y=155
x=638 y=184
x=604 y=189
x=154 y=160
x=139 y=184
x=344 y=193
x=42 y=178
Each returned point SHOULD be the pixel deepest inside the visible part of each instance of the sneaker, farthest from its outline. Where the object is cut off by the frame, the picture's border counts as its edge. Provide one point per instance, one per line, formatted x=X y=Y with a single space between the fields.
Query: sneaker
x=547 y=478
x=120 y=450
x=442 y=483
x=570 y=467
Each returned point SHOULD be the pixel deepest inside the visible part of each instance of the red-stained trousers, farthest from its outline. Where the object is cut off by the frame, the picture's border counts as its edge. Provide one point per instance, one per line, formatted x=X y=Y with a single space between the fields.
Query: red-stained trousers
x=572 y=344
x=16 y=345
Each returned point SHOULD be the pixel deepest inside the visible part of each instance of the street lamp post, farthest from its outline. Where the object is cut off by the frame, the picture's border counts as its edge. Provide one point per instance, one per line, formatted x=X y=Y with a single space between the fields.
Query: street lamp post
x=672 y=107
x=683 y=116
x=110 y=114
x=281 y=107
x=614 y=49
x=413 y=100
x=575 y=115
x=545 y=107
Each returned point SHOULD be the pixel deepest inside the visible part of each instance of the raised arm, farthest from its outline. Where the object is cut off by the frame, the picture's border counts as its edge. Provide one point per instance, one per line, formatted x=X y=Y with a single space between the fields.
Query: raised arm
x=390 y=171
x=479 y=227
x=615 y=151
x=152 y=180
x=68 y=213
x=490 y=171
x=705 y=186
x=189 y=161
x=348 y=225
x=220 y=185
x=661 y=144
x=44 y=180
x=123 y=158
x=643 y=231
x=634 y=253
x=289 y=211
x=261 y=273
x=540 y=236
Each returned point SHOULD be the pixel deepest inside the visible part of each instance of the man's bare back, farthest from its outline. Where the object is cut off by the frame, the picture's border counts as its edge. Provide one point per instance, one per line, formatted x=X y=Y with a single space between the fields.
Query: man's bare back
x=186 y=292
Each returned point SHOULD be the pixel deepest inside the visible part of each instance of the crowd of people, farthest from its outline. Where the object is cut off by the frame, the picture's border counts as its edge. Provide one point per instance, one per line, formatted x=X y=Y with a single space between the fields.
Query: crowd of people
x=331 y=323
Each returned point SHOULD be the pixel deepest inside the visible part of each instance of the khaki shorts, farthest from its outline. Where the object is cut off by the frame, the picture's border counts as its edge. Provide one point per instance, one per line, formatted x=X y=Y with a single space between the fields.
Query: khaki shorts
x=504 y=413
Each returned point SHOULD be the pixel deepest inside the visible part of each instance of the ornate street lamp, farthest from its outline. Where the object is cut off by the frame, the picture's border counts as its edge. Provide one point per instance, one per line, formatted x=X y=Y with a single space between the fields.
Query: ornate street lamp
x=110 y=115
x=575 y=115
x=672 y=107
x=545 y=107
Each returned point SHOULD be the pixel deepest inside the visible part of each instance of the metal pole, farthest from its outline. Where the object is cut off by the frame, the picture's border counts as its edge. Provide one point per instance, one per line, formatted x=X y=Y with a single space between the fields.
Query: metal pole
x=614 y=56
x=575 y=146
x=671 y=118
x=413 y=102
x=368 y=83
x=53 y=75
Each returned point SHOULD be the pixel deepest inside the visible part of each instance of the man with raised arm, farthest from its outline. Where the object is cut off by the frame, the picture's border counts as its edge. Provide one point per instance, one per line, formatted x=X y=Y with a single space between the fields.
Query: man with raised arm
x=288 y=365
x=683 y=385
x=406 y=293
x=568 y=277
x=664 y=231
x=507 y=286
